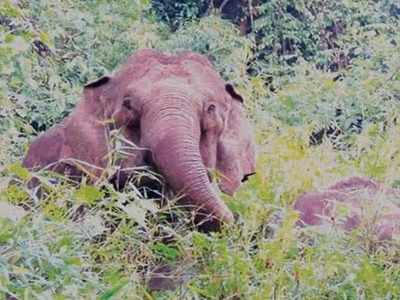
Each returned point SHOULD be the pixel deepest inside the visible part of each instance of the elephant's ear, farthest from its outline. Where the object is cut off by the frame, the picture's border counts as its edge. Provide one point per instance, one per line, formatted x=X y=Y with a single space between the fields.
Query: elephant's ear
x=93 y=89
x=231 y=91
x=98 y=82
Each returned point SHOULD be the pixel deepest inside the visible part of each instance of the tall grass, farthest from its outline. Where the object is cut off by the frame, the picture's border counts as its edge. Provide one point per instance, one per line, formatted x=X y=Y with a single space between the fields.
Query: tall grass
x=94 y=242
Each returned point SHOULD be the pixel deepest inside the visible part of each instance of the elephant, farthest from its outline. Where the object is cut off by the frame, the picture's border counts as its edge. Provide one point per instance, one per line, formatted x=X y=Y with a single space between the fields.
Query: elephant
x=359 y=196
x=80 y=143
x=179 y=109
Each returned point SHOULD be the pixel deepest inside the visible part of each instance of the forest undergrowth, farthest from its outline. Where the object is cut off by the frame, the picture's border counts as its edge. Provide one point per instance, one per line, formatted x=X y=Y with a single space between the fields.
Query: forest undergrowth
x=321 y=82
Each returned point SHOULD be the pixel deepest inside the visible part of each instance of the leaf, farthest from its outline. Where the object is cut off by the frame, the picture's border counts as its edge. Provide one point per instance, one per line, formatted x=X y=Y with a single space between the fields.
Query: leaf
x=18 y=170
x=9 y=9
x=88 y=194
x=113 y=291
x=169 y=253
x=45 y=38
x=6 y=231
x=75 y=261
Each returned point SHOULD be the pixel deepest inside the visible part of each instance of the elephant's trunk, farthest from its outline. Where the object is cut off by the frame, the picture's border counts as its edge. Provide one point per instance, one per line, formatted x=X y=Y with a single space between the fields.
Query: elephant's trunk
x=173 y=135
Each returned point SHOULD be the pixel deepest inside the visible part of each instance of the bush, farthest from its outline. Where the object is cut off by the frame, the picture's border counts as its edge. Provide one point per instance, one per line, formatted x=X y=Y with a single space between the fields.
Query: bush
x=363 y=95
x=176 y=13
x=50 y=49
x=289 y=31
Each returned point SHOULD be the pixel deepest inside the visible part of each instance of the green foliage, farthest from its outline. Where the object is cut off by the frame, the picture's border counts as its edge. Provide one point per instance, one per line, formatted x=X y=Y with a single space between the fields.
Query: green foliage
x=166 y=252
x=176 y=13
x=361 y=96
x=50 y=49
x=308 y=65
x=88 y=194
x=348 y=100
x=42 y=258
x=217 y=39
x=288 y=31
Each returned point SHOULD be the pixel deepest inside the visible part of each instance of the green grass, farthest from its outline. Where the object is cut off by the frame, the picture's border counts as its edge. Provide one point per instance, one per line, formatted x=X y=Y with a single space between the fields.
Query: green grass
x=86 y=243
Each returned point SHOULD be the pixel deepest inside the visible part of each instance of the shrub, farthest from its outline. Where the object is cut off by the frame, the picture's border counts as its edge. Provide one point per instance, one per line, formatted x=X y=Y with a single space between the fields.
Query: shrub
x=313 y=30
x=50 y=49
x=176 y=13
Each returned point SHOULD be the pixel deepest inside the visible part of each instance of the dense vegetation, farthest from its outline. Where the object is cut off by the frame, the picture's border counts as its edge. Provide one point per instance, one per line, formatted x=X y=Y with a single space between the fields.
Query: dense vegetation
x=322 y=86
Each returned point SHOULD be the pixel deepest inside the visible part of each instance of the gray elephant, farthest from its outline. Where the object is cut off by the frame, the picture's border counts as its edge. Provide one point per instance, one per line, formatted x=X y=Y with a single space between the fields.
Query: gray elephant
x=177 y=107
x=362 y=198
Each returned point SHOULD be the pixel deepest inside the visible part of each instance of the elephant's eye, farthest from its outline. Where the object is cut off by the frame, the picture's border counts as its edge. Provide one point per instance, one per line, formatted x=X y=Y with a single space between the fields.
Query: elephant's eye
x=211 y=108
x=127 y=104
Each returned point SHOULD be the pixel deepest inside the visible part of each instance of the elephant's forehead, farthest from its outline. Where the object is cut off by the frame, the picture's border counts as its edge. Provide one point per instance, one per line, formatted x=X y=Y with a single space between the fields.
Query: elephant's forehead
x=147 y=71
x=202 y=81
x=191 y=71
x=151 y=63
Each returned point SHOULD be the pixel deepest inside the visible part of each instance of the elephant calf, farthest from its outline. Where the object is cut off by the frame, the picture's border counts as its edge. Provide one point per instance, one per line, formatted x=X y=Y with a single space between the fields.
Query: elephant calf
x=177 y=107
x=359 y=198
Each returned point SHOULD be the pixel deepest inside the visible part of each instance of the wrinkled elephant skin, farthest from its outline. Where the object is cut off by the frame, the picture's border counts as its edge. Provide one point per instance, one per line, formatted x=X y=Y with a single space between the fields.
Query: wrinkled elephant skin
x=177 y=107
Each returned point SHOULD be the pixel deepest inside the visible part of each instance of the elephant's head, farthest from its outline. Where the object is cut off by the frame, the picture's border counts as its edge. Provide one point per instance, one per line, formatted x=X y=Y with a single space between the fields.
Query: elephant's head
x=100 y=95
x=191 y=120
